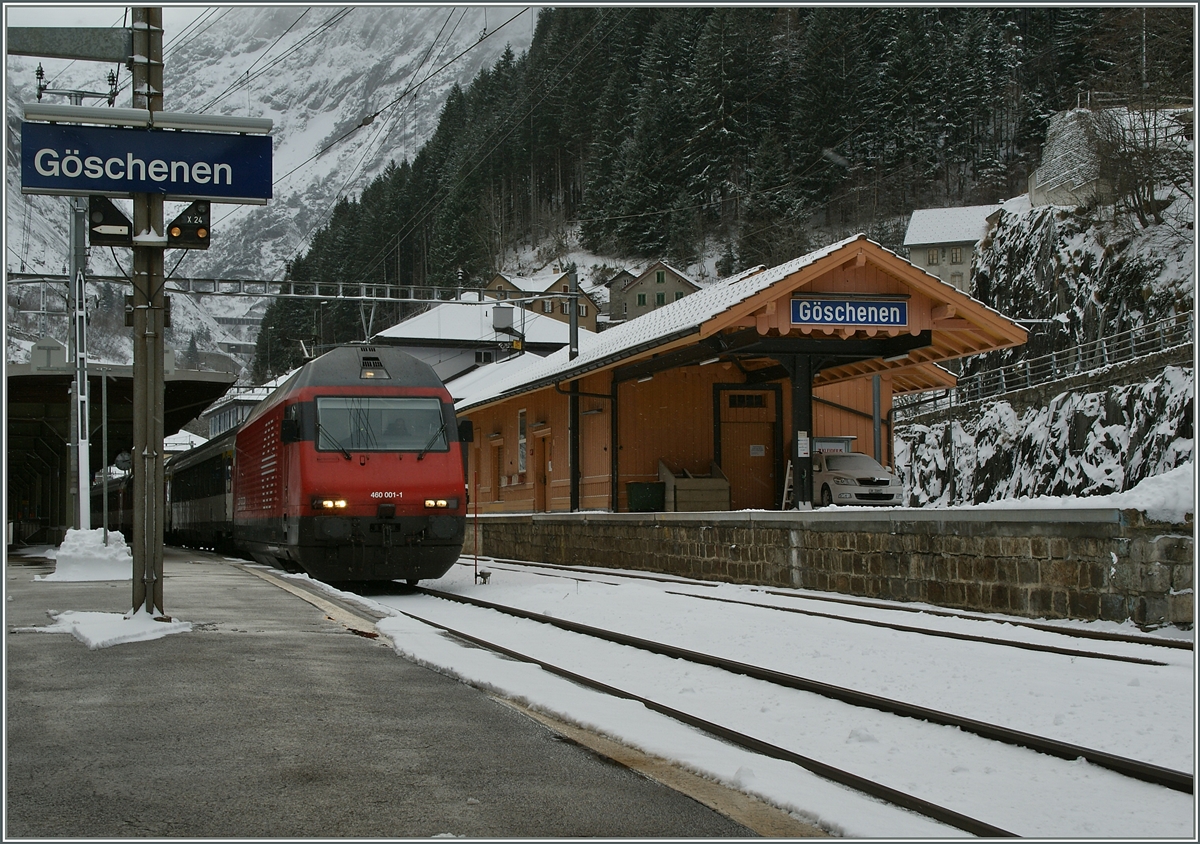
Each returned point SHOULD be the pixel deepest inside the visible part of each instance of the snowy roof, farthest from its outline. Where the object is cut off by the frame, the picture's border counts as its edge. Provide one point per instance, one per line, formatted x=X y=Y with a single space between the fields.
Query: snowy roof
x=948 y=225
x=248 y=394
x=644 y=273
x=685 y=317
x=675 y=319
x=182 y=441
x=468 y=321
x=536 y=284
x=471 y=381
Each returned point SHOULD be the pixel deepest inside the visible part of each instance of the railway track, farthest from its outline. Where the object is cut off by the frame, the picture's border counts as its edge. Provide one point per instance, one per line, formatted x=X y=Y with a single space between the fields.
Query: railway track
x=1144 y=771
x=865 y=785
x=1072 y=632
x=524 y=643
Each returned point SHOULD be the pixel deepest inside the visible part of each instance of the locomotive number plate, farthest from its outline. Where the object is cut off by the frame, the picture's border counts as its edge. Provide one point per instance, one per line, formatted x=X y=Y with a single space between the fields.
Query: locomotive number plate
x=387 y=494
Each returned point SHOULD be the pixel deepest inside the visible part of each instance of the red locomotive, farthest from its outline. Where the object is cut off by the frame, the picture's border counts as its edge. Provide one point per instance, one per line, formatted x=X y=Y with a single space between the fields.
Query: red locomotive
x=351 y=470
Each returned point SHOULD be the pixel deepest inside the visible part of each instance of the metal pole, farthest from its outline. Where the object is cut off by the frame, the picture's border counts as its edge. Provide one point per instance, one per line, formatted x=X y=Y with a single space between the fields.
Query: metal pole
x=104 y=449
x=148 y=324
x=875 y=402
x=573 y=401
x=81 y=464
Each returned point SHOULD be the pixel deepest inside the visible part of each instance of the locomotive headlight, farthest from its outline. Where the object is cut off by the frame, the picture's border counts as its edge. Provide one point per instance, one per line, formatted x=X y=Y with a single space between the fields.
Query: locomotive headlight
x=441 y=503
x=329 y=503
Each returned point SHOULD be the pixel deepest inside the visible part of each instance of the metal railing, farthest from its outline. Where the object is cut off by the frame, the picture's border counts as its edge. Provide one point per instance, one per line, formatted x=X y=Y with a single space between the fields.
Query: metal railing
x=1123 y=347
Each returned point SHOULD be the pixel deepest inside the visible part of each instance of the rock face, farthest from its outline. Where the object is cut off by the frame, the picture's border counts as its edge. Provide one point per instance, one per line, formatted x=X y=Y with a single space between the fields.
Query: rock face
x=1082 y=443
x=1088 y=276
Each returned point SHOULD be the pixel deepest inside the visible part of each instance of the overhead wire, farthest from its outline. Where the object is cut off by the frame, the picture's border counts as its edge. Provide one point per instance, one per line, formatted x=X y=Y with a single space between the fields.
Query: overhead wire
x=491 y=141
x=319 y=31
x=379 y=130
x=246 y=73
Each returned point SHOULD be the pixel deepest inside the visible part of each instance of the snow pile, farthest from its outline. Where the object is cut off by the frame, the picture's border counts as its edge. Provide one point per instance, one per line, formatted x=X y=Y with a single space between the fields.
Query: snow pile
x=103 y=630
x=1169 y=497
x=84 y=556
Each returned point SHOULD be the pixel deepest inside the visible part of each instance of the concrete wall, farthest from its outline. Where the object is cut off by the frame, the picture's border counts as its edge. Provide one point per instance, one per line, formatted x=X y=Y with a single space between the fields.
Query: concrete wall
x=1085 y=564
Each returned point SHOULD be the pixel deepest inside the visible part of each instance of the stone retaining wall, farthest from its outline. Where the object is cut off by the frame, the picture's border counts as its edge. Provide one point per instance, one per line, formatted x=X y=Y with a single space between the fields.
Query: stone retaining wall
x=1084 y=564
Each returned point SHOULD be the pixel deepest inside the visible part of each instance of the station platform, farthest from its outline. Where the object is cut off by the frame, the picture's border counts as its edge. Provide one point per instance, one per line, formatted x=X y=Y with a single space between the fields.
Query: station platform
x=280 y=716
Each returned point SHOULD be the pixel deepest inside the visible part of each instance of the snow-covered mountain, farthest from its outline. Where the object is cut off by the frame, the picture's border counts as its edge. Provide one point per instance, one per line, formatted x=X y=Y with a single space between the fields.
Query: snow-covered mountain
x=318 y=72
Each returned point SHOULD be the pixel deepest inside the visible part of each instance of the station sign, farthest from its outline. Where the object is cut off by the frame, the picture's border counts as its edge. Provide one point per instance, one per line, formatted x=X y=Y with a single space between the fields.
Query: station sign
x=74 y=160
x=878 y=313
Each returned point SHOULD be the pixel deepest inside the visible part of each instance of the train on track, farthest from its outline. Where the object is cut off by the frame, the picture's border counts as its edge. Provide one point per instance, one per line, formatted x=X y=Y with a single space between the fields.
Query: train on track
x=353 y=469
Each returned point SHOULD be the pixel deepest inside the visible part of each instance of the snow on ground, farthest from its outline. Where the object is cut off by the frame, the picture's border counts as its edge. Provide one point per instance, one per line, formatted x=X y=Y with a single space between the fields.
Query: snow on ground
x=1139 y=711
x=84 y=556
x=105 y=629
x=1169 y=497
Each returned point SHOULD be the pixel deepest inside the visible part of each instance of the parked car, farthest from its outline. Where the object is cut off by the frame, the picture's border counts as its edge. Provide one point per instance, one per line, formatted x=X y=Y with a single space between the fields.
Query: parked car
x=854 y=479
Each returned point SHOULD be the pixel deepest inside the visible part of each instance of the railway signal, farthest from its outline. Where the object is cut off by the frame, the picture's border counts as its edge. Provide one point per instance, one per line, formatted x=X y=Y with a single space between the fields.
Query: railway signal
x=107 y=224
x=191 y=229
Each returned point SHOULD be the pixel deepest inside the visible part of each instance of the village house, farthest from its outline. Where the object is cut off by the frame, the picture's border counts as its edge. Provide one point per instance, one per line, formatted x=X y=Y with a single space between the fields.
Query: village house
x=555 y=280
x=659 y=284
x=942 y=241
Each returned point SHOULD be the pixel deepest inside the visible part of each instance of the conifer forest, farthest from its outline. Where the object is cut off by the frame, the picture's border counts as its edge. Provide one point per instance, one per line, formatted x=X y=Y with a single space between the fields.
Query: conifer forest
x=755 y=134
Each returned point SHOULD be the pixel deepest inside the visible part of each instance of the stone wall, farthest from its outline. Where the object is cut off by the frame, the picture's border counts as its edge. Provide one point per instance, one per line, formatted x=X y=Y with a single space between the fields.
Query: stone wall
x=1084 y=564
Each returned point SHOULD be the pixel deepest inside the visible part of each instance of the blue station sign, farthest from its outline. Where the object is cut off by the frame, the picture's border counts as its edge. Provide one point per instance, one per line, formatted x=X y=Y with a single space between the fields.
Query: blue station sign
x=850 y=312
x=74 y=160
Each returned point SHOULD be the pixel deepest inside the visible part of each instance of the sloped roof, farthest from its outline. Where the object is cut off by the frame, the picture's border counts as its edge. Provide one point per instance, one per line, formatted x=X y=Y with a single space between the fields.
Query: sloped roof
x=646 y=272
x=472 y=323
x=964 y=326
x=948 y=225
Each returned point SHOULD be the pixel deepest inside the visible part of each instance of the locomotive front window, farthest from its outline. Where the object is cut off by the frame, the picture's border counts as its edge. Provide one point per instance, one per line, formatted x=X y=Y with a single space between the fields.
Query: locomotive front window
x=375 y=423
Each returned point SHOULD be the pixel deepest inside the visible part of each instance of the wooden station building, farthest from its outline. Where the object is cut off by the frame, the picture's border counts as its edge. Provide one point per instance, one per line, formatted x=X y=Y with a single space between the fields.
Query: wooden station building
x=732 y=381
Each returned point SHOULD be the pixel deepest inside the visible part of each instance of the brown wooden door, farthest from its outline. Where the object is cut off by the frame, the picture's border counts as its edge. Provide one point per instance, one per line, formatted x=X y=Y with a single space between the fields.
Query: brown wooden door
x=748 y=448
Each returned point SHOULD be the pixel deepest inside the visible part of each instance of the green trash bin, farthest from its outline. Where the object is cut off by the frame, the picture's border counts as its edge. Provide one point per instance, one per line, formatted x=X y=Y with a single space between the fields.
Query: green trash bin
x=646 y=497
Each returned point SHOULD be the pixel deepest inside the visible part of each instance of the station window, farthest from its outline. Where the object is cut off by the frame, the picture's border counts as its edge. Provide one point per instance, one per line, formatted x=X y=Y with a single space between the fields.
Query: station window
x=933 y=257
x=583 y=311
x=660 y=277
x=547 y=306
x=678 y=295
x=641 y=300
x=565 y=308
x=747 y=400
x=521 y=442
x=485 y=357
x=660 y=298
x=957 y=280
x=955 y=254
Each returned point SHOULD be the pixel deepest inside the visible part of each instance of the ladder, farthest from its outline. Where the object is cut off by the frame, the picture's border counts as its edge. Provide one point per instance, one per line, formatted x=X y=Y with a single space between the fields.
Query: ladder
x=786 y=504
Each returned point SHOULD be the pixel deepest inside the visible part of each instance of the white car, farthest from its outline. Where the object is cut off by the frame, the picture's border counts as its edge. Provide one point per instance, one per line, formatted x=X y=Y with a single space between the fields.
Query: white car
x=854 y=479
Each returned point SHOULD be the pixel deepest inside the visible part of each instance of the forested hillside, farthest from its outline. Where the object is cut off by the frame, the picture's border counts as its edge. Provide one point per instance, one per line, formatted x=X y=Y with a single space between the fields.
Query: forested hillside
x=756 y=134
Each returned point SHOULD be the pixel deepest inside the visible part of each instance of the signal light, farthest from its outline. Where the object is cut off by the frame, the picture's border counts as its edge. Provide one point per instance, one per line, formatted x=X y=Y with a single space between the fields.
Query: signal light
x=191 y=229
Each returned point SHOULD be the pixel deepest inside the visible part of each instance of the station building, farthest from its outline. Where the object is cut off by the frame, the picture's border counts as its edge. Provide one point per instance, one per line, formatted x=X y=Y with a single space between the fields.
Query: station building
x=730 y=383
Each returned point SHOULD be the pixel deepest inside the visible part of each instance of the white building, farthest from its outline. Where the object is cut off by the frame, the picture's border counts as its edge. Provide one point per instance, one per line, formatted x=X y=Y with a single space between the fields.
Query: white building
x=942 y=241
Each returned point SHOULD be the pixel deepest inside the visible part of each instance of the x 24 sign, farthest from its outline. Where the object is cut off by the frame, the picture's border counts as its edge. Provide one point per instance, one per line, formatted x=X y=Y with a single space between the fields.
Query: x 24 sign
x=75 y=160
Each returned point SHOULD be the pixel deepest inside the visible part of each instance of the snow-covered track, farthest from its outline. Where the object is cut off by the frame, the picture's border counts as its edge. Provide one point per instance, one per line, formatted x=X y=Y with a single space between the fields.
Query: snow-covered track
x=1155 y=774
x=597 y=575
x=926 y=631
x=867 y=786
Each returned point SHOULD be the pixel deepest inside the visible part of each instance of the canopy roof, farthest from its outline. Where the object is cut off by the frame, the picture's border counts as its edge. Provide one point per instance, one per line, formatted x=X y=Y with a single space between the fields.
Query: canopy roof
x=749 y=316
